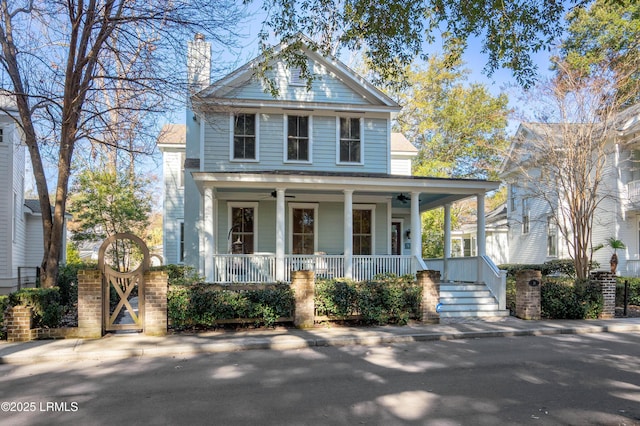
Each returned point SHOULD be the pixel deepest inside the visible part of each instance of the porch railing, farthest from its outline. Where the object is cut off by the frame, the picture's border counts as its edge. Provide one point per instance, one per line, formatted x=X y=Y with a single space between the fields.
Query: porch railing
x=261 y=268
x=633 y=268
x=465 y=269
x=633 y=189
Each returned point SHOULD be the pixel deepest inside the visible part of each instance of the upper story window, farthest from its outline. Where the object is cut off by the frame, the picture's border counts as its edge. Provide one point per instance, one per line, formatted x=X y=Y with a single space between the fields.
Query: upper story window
x=296 y=77
x=552 y=238
x=298 y=139
x=525 y=216
x=181 y=158
x=349 y=140
x=245 y=137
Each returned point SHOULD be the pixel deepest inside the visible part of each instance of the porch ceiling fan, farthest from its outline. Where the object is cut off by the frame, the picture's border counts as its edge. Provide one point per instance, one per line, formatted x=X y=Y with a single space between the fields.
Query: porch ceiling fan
x=403 y=198
x=274 y=194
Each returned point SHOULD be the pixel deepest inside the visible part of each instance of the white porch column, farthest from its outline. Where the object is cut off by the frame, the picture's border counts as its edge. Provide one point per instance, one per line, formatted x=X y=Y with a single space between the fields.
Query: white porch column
x=208 y=234
x=280 y=213
x=481 y=241
x=447 y=241
x=348 y=233
x=416 y=226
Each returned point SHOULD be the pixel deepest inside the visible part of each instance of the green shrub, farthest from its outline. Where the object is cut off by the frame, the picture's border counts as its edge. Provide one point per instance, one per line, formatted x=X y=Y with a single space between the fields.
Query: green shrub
x=387 y=299
x=633 y=291
x=181 y=274
x=565 y=300
x=336 y=297
x=68 y=282
x=202 y=305
x=45 y=304
x=4 y=303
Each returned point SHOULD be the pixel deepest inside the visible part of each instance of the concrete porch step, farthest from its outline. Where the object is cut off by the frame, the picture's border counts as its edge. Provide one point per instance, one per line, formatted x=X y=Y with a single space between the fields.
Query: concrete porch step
x=475 y=314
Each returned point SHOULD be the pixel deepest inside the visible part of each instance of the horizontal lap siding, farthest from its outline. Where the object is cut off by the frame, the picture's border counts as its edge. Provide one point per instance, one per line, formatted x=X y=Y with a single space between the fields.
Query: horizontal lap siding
x=326 y=87
x=6 y=205
x=271 y=150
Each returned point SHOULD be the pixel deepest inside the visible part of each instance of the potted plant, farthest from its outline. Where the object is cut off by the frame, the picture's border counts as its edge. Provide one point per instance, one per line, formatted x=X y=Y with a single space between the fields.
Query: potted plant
x=615 y=244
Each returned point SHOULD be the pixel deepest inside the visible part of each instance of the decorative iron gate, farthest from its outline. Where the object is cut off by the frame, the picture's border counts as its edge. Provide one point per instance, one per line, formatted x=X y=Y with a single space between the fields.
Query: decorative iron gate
x=123 y=286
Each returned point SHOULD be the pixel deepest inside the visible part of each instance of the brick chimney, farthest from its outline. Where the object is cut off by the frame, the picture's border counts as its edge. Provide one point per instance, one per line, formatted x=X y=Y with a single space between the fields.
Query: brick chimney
x=198 y=63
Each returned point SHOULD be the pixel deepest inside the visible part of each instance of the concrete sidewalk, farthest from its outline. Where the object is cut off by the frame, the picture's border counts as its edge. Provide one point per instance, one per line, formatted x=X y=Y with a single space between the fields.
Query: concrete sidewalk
x=122 y=346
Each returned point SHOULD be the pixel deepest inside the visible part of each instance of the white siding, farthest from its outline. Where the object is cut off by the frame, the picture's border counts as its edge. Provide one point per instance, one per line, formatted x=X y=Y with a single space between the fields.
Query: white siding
x=401 y=166
x=173 y=209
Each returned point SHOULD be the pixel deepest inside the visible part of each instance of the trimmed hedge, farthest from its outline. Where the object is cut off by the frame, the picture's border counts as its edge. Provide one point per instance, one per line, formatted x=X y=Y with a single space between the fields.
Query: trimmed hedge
x=634 y=291
x=562 y=299
x=45 y=303
x=387 y=299
x=201 y=305
x=4 y=303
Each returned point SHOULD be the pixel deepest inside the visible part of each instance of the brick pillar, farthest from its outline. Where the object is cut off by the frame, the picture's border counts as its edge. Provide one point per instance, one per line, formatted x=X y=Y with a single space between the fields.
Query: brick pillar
x=528 y=282
x=303 y=285
x=607 y=282
x=90 y=303
x=155 y=303
x=430 y=282
x=17 y=320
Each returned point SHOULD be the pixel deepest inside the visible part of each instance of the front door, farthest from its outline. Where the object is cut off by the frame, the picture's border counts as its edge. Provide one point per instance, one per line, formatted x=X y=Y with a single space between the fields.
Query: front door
x=396 y=238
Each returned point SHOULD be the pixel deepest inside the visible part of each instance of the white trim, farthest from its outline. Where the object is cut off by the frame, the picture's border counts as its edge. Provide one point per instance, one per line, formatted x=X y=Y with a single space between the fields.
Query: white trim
x=372 y=209
x=285 y=137
x=235 y=204
x=348 y=163
x=313 y=206
x=257 y=140
x=202 y=134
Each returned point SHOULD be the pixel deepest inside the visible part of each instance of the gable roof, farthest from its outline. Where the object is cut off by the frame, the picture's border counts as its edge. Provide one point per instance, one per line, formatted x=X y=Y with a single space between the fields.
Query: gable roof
x=173 y=134
x=399 y=143
x=219 y=91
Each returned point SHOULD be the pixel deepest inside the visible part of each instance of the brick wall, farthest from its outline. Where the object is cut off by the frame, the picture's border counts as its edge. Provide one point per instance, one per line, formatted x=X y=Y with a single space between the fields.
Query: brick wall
x=303 y=285
x=17 y=320
x=430 y=282
x=528 y=284
x=90 y=303
x=607 y=282
x=155 y=303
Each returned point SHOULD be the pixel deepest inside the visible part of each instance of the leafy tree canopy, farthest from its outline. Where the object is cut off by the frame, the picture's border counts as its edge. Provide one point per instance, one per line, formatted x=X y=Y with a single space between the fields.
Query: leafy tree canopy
x=459 y=128
x=606 y=36
x=391 y=33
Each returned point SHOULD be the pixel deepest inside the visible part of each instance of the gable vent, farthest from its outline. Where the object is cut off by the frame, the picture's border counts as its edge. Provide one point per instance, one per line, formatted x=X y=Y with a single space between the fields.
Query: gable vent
x=296 y=77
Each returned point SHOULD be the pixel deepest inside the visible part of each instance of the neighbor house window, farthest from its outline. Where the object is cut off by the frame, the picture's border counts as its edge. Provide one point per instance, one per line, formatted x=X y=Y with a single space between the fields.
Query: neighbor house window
x=552 y=237
x=512 y=198
x=298 y=141
x=1 y=135
x=15 y=217
x=244 y=138
x=350 y=140
x=303 y=228
x=181 y=244
x=181 y=170
x=242 y=235
x=525 y=215
x=362 y=232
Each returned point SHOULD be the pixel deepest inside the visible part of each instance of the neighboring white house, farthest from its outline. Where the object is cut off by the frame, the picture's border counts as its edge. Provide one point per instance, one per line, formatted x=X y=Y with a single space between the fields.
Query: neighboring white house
x=257 y=186
x=21 y=247
x=464 y=243
x=533 y=236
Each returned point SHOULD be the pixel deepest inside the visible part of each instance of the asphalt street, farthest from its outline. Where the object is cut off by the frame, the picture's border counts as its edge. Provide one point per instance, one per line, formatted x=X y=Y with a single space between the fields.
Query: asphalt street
x=585 y=379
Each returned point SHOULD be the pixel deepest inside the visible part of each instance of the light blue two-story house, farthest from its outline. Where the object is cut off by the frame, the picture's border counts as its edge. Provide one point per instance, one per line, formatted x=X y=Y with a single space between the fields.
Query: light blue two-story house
x=257 y=186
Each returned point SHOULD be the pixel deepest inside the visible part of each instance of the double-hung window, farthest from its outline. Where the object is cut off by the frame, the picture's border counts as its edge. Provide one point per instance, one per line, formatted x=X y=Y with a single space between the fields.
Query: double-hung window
x=298 y=140
x=242 y=235
x=362 y=232
x=525 y=216
x=350 y=140
x=244 y=138
x=552 y=237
